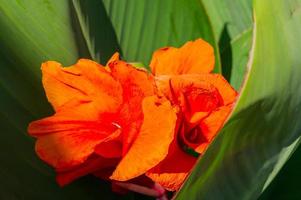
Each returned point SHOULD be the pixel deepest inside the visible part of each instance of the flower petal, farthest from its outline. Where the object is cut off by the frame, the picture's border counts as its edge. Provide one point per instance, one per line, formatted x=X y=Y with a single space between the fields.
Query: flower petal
x=111 y=148
x=212 y=124
x=93 y=164
x=69 y=137
x=205 y=101
x=194 y=57
x=86 y=80
x=226 y=91
x=136 y=85
x=195 y=97
x=196 y=93
x=172 y=171
x=152 y=143
x=69 y=148
x=83 y=96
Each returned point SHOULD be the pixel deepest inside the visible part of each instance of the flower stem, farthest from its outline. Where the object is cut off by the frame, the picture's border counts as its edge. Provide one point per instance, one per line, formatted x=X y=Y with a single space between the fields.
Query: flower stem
x=157 y=190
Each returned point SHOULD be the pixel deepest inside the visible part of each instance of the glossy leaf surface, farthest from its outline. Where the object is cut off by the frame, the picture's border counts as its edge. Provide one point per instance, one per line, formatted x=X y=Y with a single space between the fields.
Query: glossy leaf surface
x=265 y=127
x=144 y=26
x=32 y=32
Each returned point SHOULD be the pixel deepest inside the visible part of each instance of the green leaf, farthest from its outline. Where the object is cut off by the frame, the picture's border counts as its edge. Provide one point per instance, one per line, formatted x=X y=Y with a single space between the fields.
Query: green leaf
x=144 y=26
x=138 y=65
x=27 y=39
x=232 y=26
x=263 y=130
x=286 y=183
x=95 y=29
x=234 y=16
x=235 y=57
x=32 y=32
x=265 y=126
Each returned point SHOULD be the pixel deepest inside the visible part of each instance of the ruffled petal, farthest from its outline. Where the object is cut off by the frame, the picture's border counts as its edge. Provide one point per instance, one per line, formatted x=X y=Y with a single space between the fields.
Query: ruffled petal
x=72 y=120
x=205 y=101
x=85 y=97
x=64 y=143
x=225 y=90
x=86 y=80
x=152 y=143
x=173 y=170
x=212 y=124
x=194 y=57
x=196 y=93
x=136 y=84
x=195 y=97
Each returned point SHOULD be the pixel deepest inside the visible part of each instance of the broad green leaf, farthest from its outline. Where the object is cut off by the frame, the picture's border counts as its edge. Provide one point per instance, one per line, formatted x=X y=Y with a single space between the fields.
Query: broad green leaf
x=143 y=26
x=95 y=28
x=265 y=126
x=231 y=17
x=232 y=26
x=37 y=30
x=32 y=32
x=286 y=184
x=235 y=57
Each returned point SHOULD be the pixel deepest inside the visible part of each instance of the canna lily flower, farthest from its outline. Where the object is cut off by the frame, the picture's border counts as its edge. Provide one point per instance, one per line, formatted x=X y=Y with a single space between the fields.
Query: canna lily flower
x=98 y=115
x=201 y=101
x=124 y=124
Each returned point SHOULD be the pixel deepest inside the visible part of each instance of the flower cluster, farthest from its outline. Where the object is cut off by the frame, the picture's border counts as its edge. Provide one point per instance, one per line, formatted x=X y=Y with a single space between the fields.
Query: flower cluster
x=122 y=123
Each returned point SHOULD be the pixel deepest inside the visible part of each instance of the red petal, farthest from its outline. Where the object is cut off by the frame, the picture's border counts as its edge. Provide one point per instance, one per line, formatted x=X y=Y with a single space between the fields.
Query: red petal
x=91 y=165
x=173 y=170
x=212 y=124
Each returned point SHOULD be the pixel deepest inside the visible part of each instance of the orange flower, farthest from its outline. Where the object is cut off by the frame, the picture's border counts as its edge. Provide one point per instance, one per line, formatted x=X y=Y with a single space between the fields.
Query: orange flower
x=121 y=123
x=98 y=115
x=201 y=102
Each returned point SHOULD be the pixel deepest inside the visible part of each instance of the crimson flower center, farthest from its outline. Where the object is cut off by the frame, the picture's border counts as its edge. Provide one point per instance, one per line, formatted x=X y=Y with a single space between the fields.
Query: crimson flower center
x=190 y=138
x=194 y=136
